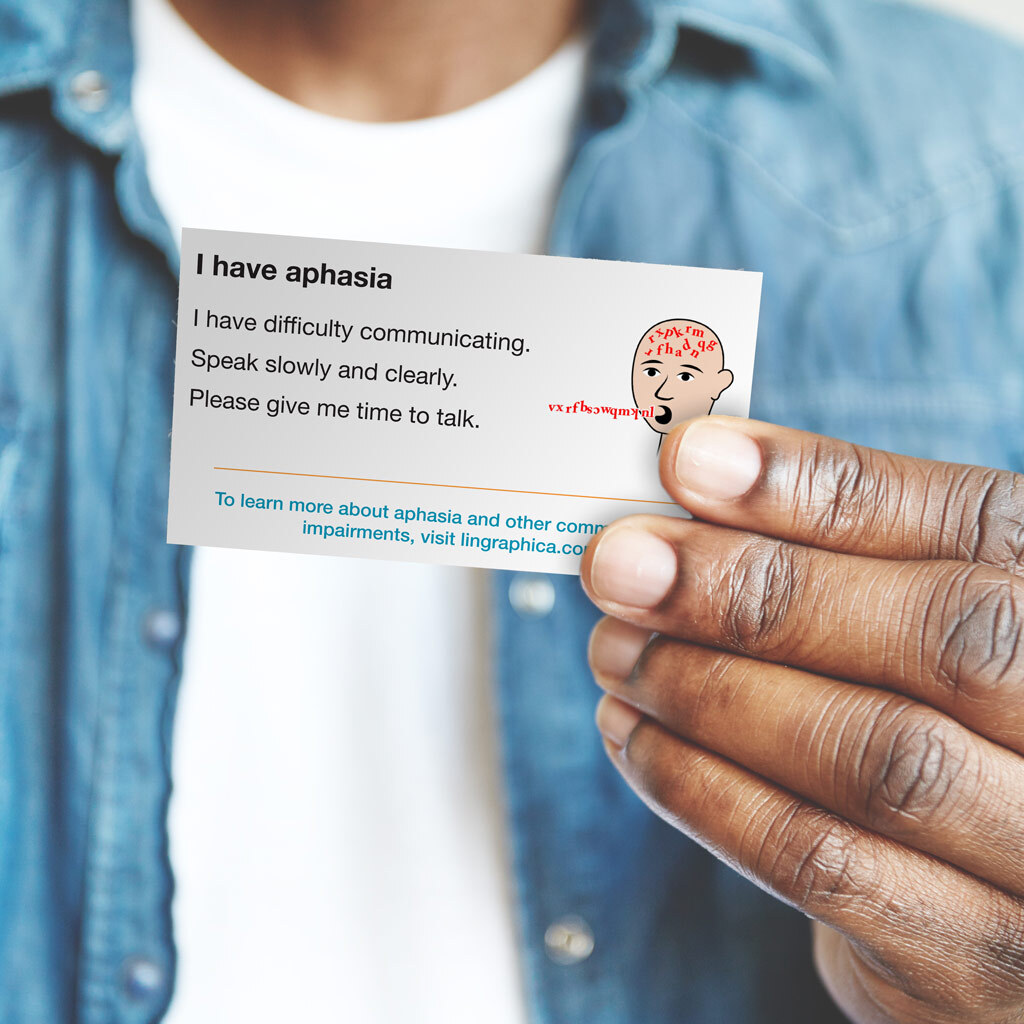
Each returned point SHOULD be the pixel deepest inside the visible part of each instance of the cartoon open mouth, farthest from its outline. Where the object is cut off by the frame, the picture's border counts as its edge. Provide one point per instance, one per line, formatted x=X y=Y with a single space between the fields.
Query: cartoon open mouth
x=664 y=416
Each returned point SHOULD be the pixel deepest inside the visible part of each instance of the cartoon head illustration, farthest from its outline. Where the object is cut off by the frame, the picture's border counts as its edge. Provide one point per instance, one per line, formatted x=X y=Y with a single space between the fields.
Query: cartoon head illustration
x=678 y=371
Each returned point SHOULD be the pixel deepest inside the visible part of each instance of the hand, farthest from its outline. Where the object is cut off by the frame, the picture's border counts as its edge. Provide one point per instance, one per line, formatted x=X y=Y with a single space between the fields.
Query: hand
x=832 y=700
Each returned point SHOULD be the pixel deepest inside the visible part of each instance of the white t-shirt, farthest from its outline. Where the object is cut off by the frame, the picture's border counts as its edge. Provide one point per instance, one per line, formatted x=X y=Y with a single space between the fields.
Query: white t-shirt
x=336 y=826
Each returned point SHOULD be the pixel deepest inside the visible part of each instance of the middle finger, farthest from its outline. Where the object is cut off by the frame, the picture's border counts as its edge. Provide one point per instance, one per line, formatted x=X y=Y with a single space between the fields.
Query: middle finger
x=946 y=633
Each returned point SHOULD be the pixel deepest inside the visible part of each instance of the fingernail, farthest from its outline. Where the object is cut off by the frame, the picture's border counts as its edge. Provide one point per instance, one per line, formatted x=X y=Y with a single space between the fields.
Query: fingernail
x=616 y=720
x=633 y=567
x=615 y=648
x=717 y=462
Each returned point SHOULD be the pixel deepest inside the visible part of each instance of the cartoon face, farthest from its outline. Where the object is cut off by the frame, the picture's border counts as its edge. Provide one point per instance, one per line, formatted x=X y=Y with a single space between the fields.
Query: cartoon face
x=678 y=370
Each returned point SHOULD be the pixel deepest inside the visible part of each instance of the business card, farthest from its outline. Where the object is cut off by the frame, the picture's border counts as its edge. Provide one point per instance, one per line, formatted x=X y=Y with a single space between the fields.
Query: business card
x=437 y=405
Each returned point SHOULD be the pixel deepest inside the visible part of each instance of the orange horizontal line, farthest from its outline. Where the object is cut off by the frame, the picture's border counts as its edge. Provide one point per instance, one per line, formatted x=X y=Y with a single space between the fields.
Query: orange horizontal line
x=424 y=483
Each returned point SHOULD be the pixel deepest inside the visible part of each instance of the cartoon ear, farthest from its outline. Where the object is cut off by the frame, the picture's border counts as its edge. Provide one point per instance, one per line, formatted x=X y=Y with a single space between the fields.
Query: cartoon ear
x=724 y=380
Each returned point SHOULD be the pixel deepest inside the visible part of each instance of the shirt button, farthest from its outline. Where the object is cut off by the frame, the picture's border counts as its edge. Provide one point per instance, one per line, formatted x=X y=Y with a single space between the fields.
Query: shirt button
x=89 y=89
x=532 y=596
x=569 y=940
x=161 y=628
x=143 y=978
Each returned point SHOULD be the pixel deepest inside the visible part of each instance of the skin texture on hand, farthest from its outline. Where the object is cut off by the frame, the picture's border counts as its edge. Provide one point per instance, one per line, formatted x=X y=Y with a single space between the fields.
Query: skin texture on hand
x=821 y=679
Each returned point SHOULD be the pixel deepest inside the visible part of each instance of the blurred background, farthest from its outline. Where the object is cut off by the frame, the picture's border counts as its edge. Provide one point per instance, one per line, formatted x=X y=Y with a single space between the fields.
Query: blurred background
x=1005 y=14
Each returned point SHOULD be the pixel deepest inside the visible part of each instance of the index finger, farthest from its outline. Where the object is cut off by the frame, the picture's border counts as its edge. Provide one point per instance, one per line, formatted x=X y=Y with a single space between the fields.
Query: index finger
x=831 y=494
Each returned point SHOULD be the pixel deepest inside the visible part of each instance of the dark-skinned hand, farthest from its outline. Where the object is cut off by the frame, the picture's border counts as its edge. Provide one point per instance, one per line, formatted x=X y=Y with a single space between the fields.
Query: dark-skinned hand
x=821 y=679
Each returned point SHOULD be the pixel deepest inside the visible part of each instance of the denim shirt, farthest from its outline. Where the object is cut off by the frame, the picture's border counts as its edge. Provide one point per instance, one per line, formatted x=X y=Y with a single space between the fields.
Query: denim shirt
x=867 y=156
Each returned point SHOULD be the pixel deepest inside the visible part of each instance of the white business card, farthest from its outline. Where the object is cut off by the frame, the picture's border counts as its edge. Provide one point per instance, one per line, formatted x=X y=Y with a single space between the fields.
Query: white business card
x=437 y=405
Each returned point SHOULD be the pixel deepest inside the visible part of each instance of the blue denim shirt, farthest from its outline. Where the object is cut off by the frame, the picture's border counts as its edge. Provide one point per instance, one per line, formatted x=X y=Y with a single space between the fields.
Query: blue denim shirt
x=867 y=156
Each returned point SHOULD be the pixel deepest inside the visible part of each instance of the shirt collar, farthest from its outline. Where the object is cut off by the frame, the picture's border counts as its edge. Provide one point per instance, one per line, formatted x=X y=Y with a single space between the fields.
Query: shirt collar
x=636 y=39
x=81 y=51
x=51 y=43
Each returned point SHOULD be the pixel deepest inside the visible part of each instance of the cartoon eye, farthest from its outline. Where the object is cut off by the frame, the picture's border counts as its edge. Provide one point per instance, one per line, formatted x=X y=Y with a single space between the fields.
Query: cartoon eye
x=685 y=376
x=650 y=371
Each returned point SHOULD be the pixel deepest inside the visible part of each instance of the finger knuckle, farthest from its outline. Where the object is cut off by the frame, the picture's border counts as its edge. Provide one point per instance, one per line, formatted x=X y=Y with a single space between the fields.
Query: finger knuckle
x=995 y=535
x=915 y=767
x=842 y=488
x=762 y=587
x=978 y=630
x=814 y=860
x=708 y=699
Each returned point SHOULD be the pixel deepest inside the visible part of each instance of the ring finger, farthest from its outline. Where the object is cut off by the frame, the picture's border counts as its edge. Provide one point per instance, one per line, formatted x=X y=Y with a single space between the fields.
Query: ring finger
x=877 y=758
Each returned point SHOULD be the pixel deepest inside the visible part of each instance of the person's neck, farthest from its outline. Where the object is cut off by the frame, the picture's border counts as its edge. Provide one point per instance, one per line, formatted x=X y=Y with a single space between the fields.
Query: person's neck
x=383 y=60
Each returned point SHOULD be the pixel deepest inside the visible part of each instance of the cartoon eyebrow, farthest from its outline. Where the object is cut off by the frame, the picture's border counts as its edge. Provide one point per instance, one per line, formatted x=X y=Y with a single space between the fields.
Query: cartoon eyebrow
x=690 y=366
x=646 y=361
